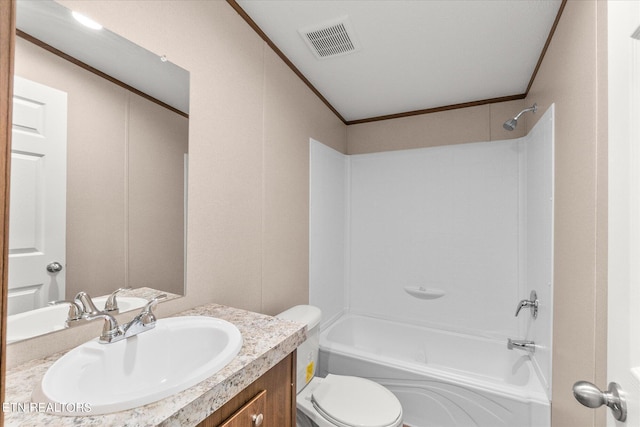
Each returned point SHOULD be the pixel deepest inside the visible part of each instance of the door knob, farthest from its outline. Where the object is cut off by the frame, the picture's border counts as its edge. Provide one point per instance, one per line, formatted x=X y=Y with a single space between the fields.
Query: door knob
x=54 y=267
x=590 y=396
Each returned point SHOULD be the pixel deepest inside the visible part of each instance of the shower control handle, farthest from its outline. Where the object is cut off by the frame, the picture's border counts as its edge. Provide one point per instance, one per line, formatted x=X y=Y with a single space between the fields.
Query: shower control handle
x=590 y=396
x=531 y=303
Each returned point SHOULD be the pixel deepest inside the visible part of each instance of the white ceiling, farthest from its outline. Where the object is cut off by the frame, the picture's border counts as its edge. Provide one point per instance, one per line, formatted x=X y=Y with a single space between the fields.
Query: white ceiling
x=414 y=55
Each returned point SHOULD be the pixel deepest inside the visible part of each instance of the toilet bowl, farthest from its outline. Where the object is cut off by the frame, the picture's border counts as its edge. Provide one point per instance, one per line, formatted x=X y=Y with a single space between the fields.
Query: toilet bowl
x=336 y=400
x=345 y=401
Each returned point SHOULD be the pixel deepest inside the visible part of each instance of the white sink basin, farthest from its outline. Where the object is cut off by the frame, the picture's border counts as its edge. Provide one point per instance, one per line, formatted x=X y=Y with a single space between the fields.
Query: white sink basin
x=52 y=318
x=177 y=354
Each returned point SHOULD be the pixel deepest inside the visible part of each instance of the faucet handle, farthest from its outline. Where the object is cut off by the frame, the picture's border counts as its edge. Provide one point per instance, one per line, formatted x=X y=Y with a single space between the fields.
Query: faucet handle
x=521 y=305
x=145 y=320
x=75 y=311
x=151 y=304
x=111 y=332
x=531 y=303
x=111 y=305
x=146 y=315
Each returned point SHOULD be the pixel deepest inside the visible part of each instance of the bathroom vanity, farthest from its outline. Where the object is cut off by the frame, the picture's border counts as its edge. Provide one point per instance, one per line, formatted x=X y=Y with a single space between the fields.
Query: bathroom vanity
x=271 y=397
x=260 y=380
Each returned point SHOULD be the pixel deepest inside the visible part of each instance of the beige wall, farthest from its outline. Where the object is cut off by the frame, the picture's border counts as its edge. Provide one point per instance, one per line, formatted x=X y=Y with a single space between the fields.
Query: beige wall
x=292 y=115
x=474 y=124
x=157 y=141
x=573 y=76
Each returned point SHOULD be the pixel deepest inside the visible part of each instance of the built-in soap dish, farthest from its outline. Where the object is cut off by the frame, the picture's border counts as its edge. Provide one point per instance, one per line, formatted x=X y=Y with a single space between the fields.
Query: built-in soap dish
x=424 y=293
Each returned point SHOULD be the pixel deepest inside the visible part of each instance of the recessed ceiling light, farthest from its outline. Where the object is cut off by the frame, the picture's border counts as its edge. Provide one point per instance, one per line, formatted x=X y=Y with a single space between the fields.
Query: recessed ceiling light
x=87 y=22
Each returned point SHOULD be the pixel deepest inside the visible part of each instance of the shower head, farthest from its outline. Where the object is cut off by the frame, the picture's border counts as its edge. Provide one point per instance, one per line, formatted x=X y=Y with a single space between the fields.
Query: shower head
x=512 y=123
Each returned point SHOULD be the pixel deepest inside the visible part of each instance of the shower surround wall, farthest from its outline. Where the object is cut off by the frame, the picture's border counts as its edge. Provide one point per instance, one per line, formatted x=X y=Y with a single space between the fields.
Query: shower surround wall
x=473 y=220
x=443 y=218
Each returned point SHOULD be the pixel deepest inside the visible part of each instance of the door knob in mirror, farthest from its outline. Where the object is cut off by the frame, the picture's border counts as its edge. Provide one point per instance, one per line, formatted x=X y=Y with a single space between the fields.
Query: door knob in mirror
x=54 y=267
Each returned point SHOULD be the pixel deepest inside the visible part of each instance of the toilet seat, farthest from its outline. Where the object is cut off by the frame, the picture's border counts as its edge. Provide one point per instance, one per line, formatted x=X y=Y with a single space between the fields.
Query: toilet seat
x=347 y=401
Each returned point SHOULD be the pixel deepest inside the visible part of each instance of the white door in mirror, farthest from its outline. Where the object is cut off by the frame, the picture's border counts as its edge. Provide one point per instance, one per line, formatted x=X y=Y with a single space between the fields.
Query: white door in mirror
x=37 y=220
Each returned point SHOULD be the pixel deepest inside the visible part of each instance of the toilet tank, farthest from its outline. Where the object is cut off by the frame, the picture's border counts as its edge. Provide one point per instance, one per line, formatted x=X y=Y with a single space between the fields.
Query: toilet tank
x=307 y=355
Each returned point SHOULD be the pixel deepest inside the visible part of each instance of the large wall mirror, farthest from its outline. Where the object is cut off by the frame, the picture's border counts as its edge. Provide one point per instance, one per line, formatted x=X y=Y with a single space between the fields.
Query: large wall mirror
x=98 y=167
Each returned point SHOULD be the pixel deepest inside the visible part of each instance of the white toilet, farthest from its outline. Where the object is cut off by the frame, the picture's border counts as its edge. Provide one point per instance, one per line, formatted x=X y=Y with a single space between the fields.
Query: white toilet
x=336 y=400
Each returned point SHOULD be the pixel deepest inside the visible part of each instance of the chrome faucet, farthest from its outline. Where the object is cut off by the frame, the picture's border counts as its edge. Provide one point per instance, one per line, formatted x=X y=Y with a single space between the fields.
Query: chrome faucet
x=111 y=331
x=531 y=303
x=82 y=306
x=525 y=345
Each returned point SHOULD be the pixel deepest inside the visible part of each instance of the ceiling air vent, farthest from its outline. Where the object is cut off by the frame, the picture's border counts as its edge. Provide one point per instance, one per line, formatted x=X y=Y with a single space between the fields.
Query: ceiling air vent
x=330 y=39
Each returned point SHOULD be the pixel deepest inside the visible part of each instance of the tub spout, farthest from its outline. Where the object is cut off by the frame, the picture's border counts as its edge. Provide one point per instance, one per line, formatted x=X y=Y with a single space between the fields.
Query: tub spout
x=525 y=345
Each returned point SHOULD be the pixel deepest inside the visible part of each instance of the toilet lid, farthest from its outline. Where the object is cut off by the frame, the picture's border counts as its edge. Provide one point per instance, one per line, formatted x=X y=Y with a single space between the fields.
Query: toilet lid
x=356 y=402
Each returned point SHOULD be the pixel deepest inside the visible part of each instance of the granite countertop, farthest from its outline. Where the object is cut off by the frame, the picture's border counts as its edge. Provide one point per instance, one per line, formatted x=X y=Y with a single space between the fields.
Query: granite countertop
x=146 y=293
x=266 y=341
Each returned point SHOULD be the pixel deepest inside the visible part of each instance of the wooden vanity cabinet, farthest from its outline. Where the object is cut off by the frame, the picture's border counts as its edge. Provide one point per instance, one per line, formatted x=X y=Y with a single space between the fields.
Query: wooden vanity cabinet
x=273 y=395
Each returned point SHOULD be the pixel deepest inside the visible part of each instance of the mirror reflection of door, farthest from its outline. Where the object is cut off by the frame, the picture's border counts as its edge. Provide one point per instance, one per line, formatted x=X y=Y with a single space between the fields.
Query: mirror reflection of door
x=38 y=196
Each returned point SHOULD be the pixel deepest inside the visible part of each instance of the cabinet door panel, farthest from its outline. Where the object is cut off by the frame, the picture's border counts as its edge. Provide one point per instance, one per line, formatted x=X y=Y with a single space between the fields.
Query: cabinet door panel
x=251 y=414
x=280 y=398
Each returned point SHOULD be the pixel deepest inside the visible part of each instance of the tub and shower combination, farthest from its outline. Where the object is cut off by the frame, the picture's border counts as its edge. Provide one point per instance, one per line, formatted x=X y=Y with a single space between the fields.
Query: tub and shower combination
x=442 y=379
x=418 y=259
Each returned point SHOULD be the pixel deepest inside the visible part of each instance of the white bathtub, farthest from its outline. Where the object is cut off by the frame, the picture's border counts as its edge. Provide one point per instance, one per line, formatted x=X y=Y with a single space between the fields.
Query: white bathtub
x=442 y=379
